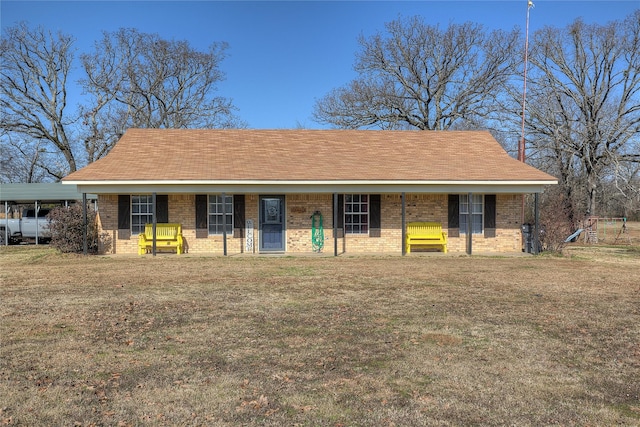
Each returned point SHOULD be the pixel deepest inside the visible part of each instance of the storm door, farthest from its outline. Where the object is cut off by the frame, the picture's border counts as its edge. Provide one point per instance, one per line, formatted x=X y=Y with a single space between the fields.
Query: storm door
x=272 y=218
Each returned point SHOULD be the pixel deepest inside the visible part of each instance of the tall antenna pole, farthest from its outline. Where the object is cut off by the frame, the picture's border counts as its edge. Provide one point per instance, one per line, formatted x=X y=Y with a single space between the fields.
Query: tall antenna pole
x=521 y=143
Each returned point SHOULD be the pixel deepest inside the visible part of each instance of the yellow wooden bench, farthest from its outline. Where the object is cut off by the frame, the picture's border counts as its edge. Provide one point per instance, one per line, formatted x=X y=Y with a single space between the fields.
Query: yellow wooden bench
x=426 y=234
x=168 y=236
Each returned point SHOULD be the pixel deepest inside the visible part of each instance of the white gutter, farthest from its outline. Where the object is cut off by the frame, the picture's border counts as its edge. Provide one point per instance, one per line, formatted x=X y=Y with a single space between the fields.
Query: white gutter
x=305 y=183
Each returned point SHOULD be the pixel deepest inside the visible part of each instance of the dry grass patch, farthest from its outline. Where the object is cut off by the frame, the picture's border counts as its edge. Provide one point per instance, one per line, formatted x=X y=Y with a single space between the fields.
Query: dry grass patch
x=419 y=340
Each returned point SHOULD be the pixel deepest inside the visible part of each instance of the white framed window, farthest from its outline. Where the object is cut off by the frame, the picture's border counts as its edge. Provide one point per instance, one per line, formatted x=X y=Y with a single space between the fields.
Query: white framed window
x=475 y=209
x=220 y=214
x=141 y=212
x=356 y=213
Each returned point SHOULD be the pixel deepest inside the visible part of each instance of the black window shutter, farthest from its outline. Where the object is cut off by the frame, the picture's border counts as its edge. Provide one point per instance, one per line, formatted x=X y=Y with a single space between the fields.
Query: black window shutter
x=201 y=216
x=374 y=215
x=238 y=215
x=162 y=208
x=124 y=216
x=454 y=215
x=340 y=210
x=124 y=212
x=490 y=215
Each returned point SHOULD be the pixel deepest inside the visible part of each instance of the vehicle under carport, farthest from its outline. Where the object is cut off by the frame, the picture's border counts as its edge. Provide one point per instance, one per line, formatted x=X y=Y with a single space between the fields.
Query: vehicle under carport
x=17 y=197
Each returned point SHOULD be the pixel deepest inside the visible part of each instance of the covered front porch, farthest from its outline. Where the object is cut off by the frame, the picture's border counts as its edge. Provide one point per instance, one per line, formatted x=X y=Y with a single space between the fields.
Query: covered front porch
x=380 y=228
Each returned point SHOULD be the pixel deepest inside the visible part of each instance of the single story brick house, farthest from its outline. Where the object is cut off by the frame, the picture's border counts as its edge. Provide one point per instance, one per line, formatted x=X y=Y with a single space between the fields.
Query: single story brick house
x=256 y=191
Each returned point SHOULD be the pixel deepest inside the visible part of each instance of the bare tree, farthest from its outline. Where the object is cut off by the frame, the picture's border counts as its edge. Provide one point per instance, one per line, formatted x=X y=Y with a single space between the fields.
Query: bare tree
x=421 y=77
x=20 y=159
x=141 y=80
x=626 y=182
x=34 y=67
x=584 y=107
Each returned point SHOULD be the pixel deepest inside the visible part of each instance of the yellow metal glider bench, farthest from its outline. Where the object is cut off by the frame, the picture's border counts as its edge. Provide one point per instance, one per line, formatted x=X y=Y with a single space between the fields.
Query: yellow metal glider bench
x=426 y=234
x=168 y=236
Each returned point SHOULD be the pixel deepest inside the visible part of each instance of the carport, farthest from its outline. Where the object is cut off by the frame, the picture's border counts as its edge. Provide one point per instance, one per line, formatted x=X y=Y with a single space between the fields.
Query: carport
x=37 y=194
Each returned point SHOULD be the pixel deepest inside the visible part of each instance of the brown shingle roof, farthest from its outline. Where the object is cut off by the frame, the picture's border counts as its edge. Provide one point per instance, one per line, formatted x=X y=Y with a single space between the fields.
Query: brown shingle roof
x=307 y=155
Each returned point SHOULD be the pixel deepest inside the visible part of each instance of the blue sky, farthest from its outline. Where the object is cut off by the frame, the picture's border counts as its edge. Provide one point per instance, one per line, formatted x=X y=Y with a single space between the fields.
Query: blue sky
x=283 y=56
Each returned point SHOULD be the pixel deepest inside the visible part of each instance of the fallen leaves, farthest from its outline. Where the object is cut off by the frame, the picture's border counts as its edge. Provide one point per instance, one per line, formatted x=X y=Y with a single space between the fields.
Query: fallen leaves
x=260 y=405
x=374 y=348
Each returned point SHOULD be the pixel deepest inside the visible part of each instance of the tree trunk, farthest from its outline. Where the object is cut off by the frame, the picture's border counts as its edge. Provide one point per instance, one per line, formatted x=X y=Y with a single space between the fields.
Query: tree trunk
x=591 y=195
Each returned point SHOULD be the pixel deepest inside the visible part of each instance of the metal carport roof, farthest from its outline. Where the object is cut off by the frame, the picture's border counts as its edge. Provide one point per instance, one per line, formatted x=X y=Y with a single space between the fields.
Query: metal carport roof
x=40 y=192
